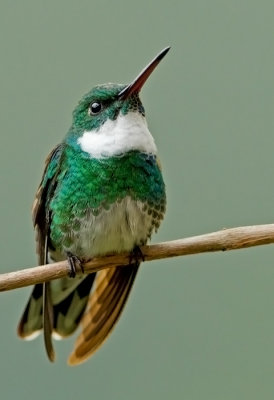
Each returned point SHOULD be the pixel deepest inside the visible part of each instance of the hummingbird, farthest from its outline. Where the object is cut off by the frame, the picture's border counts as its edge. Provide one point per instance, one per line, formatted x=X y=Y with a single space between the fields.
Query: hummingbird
x=102 y=192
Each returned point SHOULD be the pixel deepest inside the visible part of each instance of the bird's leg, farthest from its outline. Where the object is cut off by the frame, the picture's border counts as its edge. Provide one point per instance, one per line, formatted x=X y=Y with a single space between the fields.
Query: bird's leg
x=136 y=256
x=73 y=262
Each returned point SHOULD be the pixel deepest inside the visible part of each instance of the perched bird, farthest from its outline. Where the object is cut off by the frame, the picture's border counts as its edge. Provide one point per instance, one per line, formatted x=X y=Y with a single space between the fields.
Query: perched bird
x=102 y=192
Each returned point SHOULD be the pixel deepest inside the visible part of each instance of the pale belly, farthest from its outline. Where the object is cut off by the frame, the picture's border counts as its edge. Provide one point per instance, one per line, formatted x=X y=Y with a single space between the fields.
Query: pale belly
x=123 y=226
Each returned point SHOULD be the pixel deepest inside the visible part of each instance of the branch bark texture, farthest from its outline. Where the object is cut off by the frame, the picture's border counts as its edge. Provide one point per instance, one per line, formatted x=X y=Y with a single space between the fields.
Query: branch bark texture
x=226 y=239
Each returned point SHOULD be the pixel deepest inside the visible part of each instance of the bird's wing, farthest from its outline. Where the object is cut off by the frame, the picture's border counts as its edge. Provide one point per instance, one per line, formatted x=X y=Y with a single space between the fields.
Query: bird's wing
x=112 y=287
x=40 y=213
x=40 y=299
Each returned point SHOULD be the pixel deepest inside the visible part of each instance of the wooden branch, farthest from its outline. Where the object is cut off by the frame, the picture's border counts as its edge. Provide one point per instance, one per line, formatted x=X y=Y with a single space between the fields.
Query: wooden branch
x=226 y=239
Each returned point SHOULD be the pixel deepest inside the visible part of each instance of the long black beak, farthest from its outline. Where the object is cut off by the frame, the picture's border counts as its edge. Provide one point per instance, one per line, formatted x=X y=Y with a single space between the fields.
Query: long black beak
x=137 y=84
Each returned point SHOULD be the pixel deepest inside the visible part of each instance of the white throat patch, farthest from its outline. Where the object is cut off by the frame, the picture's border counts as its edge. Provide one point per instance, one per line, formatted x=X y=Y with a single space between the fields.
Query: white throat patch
x=128 y=132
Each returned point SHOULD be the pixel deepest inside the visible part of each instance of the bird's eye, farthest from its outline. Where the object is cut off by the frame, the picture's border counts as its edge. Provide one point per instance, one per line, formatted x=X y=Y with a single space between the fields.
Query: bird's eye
x=95 y=108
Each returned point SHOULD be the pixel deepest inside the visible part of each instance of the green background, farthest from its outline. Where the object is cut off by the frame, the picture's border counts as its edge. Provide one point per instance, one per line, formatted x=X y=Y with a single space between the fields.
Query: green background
x=199 y=327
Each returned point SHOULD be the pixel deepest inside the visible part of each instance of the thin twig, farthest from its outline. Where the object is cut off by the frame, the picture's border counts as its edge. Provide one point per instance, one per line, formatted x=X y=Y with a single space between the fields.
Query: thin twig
x=226 y=239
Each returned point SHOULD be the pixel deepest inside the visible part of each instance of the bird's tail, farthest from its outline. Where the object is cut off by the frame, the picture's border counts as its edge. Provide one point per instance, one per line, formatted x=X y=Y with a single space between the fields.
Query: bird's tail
x=112 y=287
x=66 y=314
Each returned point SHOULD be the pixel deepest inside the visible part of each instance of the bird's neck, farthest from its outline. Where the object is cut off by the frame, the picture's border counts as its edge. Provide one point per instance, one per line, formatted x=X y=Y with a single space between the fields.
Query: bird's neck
x=116 y=137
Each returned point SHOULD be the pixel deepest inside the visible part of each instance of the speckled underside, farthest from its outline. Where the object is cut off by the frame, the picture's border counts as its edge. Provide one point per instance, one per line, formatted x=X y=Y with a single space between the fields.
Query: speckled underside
x=109 y=196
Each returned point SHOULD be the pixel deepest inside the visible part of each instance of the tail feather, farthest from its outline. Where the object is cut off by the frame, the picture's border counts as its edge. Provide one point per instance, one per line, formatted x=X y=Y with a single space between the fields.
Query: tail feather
x=48 y=321
x=68 y=313
x=112 y=287
x=31 y=321
x=65 y=317
x=97 y=312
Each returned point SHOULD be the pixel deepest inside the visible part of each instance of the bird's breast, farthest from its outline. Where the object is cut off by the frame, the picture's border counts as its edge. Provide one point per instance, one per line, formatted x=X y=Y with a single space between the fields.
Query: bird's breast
x=121 y=227
x=105 y=206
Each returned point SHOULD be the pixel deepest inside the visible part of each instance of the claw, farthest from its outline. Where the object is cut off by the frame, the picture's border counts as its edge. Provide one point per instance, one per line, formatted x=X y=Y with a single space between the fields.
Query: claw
x=136 y=256
x=74 y=261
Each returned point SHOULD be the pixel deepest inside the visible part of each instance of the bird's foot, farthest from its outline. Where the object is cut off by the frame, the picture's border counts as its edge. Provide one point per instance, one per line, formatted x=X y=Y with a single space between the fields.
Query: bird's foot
x=136 y=256
x=74 y=264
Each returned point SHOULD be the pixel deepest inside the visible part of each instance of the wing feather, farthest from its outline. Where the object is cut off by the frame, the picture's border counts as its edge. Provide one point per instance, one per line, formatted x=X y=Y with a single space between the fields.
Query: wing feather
x=41 y=220
x=40 y=216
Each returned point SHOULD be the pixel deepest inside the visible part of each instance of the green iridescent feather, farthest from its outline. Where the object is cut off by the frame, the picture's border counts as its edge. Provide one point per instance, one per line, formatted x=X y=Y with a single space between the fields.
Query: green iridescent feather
x=112 y=107
x=88 y=185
